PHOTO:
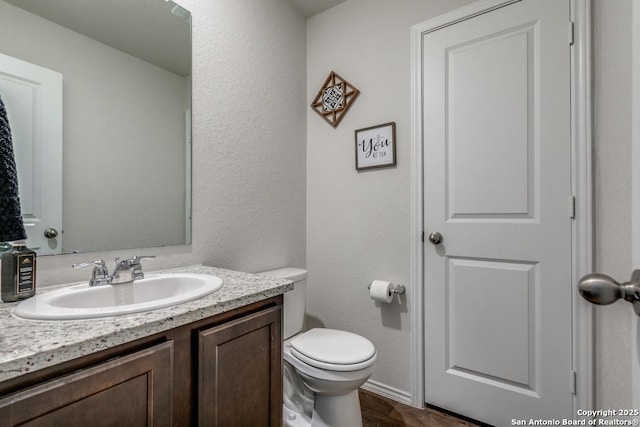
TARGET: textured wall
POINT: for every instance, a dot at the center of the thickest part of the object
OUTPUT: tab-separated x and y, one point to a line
358	224
249	147
249	128
612	159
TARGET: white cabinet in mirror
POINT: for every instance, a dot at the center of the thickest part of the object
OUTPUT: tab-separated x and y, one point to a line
123	117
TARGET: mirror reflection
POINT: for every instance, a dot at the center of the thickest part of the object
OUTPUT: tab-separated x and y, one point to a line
98	97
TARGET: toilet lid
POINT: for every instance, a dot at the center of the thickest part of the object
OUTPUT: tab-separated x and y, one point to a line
333	347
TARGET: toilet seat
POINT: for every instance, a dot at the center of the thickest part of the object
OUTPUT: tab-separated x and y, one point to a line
305	369
333	350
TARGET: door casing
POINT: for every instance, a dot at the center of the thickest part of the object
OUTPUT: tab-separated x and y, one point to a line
581	176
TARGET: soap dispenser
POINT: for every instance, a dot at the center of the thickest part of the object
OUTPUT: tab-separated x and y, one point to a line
18	272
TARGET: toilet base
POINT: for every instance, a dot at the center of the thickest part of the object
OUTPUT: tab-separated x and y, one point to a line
328	411
291	418
337	410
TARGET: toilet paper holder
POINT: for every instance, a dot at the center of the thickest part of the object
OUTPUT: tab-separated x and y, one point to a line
398	290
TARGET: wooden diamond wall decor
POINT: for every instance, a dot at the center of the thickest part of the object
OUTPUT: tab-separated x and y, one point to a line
334	99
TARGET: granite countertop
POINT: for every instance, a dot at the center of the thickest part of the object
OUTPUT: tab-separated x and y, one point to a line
29	345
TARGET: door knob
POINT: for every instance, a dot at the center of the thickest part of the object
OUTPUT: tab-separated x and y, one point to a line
50	233
603	290
435	238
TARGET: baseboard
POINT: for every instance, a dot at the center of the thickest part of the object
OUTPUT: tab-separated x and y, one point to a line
389	392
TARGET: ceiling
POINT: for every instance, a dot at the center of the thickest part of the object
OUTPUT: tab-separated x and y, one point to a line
146	29
313	7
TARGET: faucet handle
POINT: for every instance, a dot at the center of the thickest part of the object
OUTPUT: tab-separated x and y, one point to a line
137	267
139	257
128	270
97	263
100	275
133	261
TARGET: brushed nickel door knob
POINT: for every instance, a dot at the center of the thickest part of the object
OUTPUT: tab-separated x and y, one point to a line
50	233
603	290
435	238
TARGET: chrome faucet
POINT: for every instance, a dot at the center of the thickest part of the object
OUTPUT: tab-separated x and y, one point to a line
100	275
126	271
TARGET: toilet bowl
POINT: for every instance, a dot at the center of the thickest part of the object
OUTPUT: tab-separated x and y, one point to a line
323	368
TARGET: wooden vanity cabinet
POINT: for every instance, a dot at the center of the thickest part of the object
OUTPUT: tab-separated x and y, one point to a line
239	372
133	390
224	370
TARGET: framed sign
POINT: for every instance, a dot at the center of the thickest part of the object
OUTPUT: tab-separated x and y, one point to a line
376	146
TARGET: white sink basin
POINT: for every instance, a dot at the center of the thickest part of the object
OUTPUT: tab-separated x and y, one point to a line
86	302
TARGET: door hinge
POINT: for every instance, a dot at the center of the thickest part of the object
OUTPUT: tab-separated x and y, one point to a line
572	207
571	33
573	379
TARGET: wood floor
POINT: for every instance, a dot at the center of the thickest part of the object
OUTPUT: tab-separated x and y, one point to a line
378	411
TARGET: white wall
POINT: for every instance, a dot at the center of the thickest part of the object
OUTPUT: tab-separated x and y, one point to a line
358	224
249	147
104	146
249	133
612	158
635	198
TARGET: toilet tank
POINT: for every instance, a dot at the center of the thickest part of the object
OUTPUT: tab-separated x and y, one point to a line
295	301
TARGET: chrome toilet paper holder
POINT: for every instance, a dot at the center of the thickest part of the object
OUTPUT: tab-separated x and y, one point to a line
398	290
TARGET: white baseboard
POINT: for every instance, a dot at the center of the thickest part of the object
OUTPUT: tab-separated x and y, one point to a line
389	392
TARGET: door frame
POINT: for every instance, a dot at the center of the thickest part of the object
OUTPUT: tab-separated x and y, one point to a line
581	177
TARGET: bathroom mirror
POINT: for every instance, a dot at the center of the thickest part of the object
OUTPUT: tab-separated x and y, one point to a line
125	163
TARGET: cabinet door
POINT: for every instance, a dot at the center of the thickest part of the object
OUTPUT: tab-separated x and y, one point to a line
240	372
132	390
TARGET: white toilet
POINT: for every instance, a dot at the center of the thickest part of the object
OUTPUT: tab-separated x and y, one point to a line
323	368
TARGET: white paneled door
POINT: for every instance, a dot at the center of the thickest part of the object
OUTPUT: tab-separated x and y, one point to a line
33	98
497	188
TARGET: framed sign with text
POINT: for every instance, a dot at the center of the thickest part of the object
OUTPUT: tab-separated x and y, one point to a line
376	146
